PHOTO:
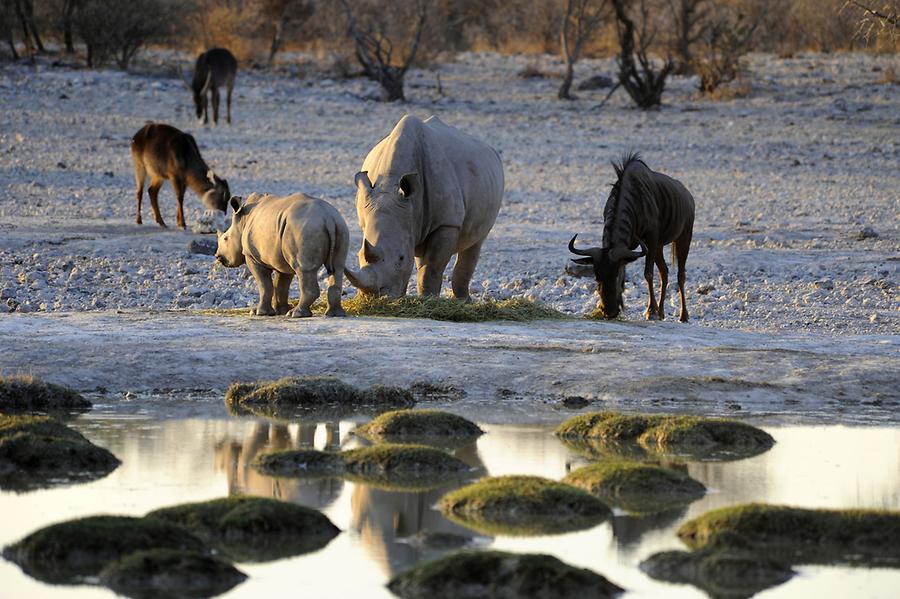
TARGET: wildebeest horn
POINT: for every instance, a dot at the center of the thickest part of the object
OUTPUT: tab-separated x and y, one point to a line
592	252
362	279
628	255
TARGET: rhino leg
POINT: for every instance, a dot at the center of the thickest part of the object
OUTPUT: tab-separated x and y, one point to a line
463	270
309	292
335	287
282	291
263	276
439	247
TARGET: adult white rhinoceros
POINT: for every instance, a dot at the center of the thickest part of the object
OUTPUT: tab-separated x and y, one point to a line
427	191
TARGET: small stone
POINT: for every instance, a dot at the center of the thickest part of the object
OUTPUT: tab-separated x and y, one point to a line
206	247
866	233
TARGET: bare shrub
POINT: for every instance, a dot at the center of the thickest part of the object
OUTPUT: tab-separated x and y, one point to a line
725	41
113	30
888	77
878	19
532	71
7	24
637	74
689	21
387	38
579	23
285	19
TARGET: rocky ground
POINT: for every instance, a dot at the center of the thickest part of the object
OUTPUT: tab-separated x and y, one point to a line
796	184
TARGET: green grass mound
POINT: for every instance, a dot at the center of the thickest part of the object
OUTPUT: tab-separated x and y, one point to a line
402	466
727	574
500	575
70	551
169	574
253	529
426	391
293	396
300	463
419	424
799	536
691	436
637	487
38	452
27	394
523	505
434	308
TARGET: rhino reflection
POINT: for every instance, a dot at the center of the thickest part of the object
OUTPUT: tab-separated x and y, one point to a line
234	457
381	518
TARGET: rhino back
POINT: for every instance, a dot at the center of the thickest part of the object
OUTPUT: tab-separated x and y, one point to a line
282	231
462	176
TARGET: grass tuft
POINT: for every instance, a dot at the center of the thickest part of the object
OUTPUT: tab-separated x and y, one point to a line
27	394
434	308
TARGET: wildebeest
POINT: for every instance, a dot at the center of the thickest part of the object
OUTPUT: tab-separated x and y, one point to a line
646	209
292	235
214	68
165	153
427	191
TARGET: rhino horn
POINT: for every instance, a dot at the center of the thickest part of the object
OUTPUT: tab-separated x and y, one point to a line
363	279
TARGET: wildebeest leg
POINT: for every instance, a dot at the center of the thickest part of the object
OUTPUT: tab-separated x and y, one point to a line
205	108
309	291
215	104
263	276
282	291
228	99
139	176
663	281
439	248
179	188
335	287
463	270
153	192
652	308
680	248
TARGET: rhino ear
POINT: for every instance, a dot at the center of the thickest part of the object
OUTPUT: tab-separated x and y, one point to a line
362	180
235	203
409	184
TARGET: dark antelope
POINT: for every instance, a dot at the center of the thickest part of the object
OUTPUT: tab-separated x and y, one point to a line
215	68
165	153
646	209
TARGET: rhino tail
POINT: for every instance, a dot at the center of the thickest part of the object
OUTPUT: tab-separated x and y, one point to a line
329	259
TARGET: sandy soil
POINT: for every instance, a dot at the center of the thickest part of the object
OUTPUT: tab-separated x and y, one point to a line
795	248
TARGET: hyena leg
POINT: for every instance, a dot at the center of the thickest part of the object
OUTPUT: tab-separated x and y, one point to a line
153	192
139	177
463	270
309	291
263	276
228	99
335	287
282	291
663	281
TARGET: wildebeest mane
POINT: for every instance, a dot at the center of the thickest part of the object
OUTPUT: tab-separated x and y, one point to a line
611	210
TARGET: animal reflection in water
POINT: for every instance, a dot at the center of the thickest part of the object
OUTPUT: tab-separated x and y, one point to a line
396	527
235	457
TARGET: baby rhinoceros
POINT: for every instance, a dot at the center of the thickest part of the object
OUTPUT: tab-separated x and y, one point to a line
296	234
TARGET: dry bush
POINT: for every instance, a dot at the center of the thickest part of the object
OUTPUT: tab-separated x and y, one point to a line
888	77
876	19
637	72
232	24
725	41
112	30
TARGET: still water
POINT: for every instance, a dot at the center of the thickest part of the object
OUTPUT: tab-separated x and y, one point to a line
204	454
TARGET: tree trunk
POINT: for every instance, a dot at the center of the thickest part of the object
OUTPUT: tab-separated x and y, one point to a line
391	80
29	14
68	14
566	85
26	36
278	27
12	44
